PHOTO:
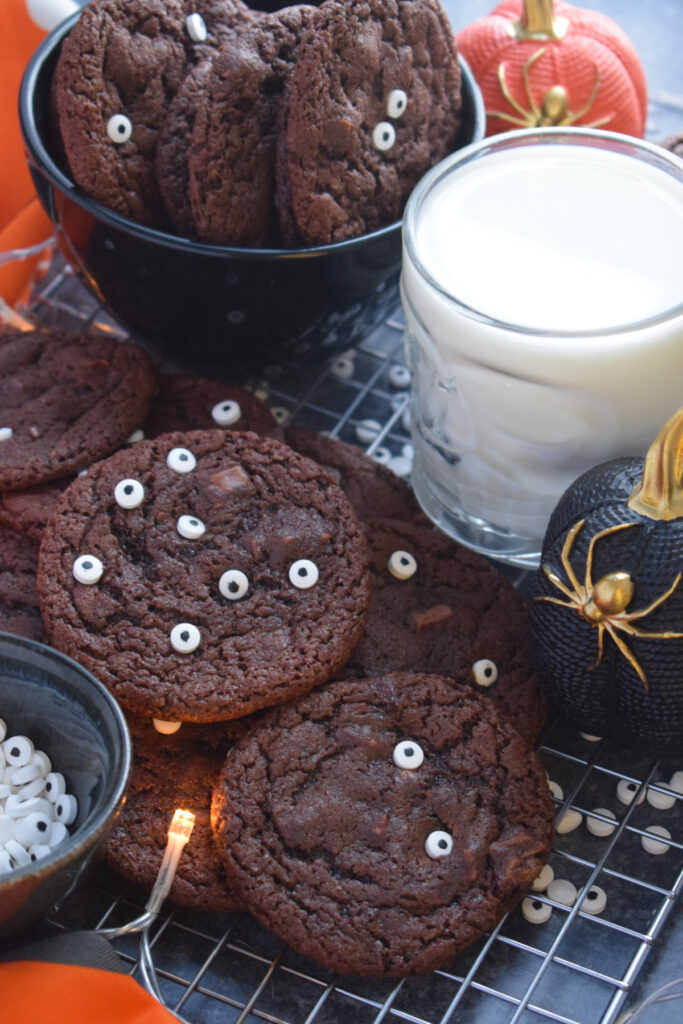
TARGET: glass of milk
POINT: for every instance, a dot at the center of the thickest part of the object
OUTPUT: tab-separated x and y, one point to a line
542	284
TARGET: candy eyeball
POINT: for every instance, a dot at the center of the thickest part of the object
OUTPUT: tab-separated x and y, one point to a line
181	460
185	638
190	527
196	28
402	565
119	128
129	493
438	844
303	574
226	413
233	584
383	136
485	672
397	102
87	569
408	754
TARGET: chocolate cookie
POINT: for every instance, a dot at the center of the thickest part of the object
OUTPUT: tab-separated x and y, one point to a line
66	400
373	490
19	611
204	575
198	403
28	511
170	772
379	826
438	607
372	103
232	156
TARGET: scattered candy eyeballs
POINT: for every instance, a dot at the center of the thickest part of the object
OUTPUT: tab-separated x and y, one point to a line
233	584
190	527
303	574
5	433
119	128
383	136
397	102
536	911
485	672
438	844
595	900
164	727
226	413
87	569
185	638
181	460
129	493
402	565
196	28
408	754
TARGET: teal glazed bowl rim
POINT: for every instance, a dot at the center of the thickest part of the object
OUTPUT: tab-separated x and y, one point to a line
93	712
208	307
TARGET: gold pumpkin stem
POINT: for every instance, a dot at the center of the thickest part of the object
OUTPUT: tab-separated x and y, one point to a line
659	495
538	21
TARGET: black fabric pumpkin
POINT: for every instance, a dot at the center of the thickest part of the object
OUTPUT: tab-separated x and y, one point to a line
618	531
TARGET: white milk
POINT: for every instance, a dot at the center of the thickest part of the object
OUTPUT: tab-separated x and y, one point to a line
538	240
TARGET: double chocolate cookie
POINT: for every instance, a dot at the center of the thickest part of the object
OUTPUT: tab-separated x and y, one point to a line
202	576
381	825
19	611
198	403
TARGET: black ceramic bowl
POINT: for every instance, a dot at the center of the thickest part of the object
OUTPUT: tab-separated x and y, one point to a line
213	307
67	713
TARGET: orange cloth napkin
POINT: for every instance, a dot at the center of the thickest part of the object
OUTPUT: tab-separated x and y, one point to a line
22	220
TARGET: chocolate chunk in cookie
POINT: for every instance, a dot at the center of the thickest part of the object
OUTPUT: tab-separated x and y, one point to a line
206	575
65	401
379	826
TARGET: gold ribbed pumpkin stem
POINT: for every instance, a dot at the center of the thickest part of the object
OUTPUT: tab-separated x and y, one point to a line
659	495
538	21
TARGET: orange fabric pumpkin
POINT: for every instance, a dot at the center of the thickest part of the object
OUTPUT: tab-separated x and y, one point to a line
540	64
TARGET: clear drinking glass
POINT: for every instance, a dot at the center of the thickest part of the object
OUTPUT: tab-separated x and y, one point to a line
542	284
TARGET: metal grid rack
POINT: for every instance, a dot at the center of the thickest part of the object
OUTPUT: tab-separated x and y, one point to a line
575	969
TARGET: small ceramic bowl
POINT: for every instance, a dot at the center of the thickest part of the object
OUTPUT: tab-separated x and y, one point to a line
211	307
68	714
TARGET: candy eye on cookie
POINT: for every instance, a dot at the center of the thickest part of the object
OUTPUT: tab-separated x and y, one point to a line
408	754
383	136
303	574
233	584
485	672
397	101
196	28
438	844
119	128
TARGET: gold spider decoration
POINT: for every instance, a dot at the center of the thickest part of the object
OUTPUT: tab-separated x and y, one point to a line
604	604
554	110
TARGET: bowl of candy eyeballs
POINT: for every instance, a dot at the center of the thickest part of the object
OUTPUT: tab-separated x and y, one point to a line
64	764
220	257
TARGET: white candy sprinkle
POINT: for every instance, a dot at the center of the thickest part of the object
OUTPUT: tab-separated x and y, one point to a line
399	376
18	751
556	790
656	846
343	368
408	451
27	773
3	729
233	584
676	782
367	431
401	466
66	809
5	433
185	638
408	754
568	821
39	851
181	460
40	758
485	672
17	852
58	834
383	136
303	574
196	28
397	102
402	565
660	801
626	791
381	455
600	828
87	569
55	786
279	413
137	435
7	826
406	421
165	728
535	911
561	890
438	844
589	738
595	900
543	879
34	828
129	493
190	527
29	789
119	128
226	413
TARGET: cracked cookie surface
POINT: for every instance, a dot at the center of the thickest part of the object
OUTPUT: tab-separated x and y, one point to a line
324	837
19	611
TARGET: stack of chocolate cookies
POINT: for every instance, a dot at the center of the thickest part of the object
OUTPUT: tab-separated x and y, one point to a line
346	702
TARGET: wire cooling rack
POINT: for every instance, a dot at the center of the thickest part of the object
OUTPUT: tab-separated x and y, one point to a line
576	968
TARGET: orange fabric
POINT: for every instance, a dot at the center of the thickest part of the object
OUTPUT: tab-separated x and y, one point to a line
19	228
48	993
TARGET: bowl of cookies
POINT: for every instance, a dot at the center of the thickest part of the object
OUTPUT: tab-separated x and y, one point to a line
65	755
230	182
